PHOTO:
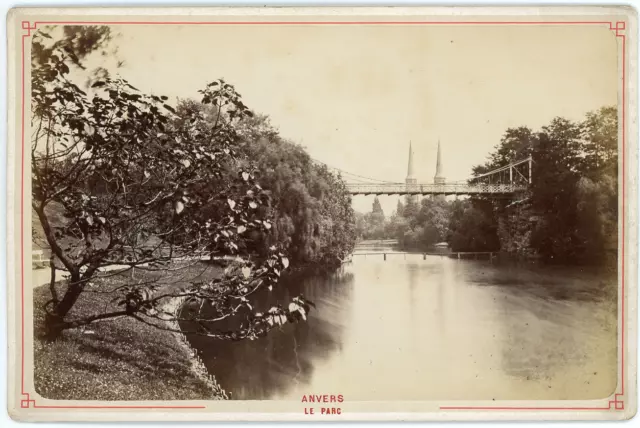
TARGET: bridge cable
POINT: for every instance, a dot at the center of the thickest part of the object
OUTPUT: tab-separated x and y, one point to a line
352	174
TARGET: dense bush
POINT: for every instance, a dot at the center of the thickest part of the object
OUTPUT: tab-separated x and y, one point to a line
311	206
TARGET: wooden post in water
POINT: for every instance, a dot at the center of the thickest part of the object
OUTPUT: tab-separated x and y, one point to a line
424	257
385	256
458	256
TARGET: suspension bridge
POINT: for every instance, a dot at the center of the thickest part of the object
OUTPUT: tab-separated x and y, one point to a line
504	181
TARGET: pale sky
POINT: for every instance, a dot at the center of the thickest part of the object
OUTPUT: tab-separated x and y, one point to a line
355	96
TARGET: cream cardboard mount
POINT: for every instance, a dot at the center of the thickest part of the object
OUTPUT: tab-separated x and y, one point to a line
140	287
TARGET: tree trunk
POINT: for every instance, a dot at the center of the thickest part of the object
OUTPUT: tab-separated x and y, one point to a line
54	321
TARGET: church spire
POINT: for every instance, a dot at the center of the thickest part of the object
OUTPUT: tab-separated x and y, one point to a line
439	177
410	166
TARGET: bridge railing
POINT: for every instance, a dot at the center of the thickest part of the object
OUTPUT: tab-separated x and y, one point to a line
434	189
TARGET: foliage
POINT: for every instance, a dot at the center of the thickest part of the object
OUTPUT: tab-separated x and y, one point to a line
311	207
414	225
472	227
570	213
141	187
372	225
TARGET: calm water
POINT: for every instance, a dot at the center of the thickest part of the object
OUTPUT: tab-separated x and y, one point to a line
414	329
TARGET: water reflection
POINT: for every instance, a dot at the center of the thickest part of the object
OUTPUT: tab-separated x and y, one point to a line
410	328
286	357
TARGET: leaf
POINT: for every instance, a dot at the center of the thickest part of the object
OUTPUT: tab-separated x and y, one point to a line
241	229
98	84
246	271
253	205
293	307
171	109
285	262
179	207
231	203
245	176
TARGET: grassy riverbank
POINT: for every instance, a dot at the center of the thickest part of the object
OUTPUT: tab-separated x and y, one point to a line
118	359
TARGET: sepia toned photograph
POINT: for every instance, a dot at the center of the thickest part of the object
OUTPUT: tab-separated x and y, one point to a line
271	215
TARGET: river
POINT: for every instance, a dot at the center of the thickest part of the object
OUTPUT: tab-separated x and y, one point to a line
410	328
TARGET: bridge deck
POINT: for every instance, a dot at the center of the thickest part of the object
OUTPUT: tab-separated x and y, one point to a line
434	189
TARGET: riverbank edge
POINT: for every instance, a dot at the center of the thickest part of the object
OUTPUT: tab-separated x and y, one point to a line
172	306
54	361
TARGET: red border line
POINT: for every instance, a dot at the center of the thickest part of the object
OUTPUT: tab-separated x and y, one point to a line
118	407
521	408
321	22
616	404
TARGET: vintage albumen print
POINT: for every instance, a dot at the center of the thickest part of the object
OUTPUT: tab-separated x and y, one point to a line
297	214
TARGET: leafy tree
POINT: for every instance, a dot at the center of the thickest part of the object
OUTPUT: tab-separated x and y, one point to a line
400	208
472	227
411	208
557	160
140	188
397	228
600	143
569	214
311	207
376	209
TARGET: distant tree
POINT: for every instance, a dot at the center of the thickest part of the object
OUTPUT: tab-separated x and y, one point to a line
411	208
456	212
397	227
433	219
600	143
360	226
400	209
377	214
473	227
